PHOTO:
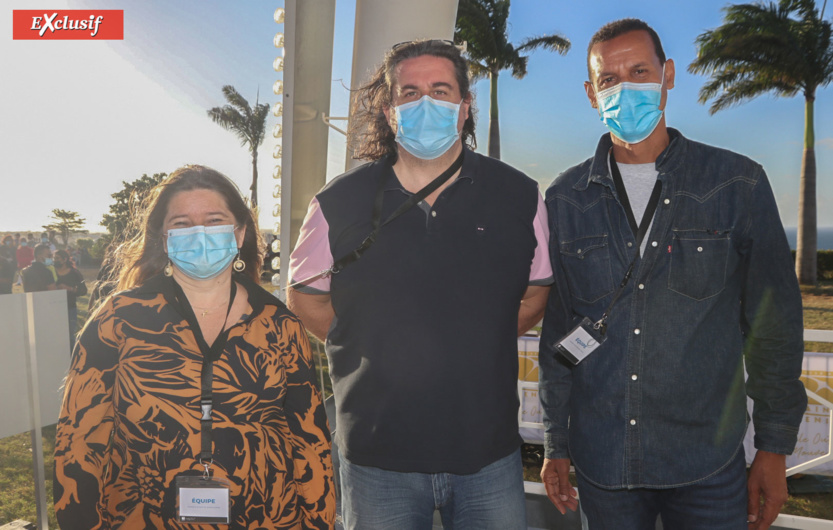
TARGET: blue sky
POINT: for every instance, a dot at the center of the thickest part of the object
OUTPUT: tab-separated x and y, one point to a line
83	116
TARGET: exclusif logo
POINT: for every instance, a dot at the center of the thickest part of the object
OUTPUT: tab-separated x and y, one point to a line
68	24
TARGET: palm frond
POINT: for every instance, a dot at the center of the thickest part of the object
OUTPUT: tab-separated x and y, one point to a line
477	71
236	100
781	48
553	43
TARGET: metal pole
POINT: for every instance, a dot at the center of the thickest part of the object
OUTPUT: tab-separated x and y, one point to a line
34	411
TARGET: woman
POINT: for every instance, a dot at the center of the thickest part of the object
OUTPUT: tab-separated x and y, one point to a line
192	386
72	281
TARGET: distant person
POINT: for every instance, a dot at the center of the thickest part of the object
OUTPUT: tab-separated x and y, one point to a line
75	256
8	265
105	282
44	239
84	258
72	281
39	276
672	275
193	369
25	253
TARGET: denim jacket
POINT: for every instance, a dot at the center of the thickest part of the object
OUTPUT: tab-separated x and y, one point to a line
661	403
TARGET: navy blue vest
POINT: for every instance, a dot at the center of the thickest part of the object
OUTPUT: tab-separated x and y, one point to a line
423	350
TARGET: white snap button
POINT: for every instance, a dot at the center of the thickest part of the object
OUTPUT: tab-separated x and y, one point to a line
433	213
634	377
654	243
633	422
641	286
637	331
667	201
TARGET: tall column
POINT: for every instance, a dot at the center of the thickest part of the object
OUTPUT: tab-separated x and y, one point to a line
308	67
382	23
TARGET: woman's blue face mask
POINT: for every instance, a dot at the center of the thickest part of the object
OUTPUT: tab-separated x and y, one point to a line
202	252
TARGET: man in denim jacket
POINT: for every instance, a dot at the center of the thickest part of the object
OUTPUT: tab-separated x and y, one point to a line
654	418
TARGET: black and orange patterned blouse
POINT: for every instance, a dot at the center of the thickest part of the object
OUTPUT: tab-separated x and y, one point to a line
130	420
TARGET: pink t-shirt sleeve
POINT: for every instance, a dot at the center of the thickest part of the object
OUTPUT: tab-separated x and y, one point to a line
312	254
541	270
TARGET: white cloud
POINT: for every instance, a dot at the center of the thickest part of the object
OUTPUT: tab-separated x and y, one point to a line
825	143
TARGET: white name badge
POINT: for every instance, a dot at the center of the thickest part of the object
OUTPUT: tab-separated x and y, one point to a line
580	342
202	500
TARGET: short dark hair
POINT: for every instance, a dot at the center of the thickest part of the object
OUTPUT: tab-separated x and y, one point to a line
41	249
144	255
370	134
611	30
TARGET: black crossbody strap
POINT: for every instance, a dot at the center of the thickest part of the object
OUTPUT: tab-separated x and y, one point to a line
640	232
414	199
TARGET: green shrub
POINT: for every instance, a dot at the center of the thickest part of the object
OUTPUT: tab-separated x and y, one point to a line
824	264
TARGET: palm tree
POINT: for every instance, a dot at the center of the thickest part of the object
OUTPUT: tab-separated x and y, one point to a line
482	25
782	48
249	124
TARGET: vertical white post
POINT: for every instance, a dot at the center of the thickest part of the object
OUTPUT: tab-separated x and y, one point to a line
308	65
289	46
34	411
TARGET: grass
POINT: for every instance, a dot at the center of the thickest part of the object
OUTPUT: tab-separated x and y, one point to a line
17	489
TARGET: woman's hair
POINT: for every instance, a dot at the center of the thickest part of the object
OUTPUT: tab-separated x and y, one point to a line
144	256
63	254
370	134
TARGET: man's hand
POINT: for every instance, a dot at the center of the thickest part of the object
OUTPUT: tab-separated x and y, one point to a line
767	479
555	475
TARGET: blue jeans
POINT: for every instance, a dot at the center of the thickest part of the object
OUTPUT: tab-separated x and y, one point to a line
716	503
492	498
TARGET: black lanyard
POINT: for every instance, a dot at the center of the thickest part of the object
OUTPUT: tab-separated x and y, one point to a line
209	355
639	231
432	186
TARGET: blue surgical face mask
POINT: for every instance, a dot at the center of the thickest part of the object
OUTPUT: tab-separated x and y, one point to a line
202	252
631	110
427	128
48	262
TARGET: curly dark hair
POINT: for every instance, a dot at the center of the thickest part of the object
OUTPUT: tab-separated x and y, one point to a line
144	255
611	30
370	135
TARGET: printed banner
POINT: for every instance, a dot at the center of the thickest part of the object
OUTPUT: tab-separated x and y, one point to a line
813	435
814	432
529	415
68	24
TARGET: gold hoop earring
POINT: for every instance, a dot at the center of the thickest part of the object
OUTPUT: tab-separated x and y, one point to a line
239	265
169	270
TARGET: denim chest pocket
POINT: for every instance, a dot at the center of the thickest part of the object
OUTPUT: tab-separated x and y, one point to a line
586	262
697	268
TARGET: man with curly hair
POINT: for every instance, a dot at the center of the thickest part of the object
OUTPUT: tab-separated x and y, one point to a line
435	259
